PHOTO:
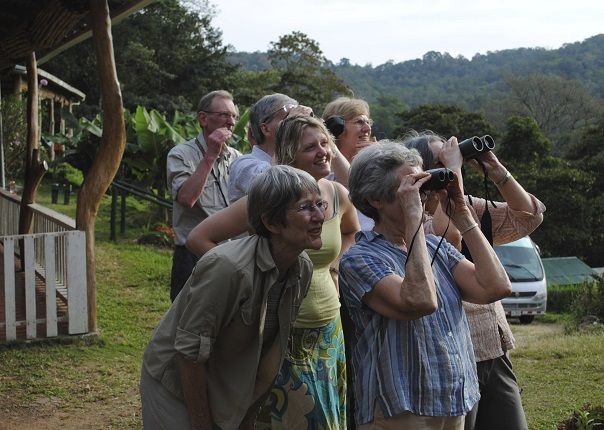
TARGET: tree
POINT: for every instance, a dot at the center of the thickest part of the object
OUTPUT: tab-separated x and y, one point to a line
252	85
113	141
561	107
303	70
445	120
524	143
384	112
166	57
14	121
587	155
569	223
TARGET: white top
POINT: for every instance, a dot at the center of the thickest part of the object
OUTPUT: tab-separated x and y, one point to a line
243	171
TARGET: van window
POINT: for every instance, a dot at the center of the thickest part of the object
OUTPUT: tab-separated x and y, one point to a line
521	263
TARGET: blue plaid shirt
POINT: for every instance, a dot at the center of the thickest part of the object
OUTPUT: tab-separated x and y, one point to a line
424	366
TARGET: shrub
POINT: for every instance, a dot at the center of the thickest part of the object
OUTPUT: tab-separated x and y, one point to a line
587	418
65	173
160	235
588	306
561	297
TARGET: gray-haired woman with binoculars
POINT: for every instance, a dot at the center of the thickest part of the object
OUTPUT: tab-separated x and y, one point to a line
521	213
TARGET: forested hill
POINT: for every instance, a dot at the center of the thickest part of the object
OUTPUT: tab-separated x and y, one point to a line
473	83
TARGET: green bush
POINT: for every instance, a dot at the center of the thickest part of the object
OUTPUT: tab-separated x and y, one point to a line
160	235
65	173
588	418
561	297
589	304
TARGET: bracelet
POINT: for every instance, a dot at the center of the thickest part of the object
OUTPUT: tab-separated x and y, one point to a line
473	226
505	178
334	270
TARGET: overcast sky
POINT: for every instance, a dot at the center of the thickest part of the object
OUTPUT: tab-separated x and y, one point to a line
375	31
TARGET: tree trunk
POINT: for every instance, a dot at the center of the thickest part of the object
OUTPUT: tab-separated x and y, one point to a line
34	168
113	142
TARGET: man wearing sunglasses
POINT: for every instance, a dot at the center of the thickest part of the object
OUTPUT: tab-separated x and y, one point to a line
197	173
265	116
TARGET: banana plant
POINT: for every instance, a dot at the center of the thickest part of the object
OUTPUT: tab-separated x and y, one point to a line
154	136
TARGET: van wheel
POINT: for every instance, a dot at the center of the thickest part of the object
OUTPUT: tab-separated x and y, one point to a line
527	319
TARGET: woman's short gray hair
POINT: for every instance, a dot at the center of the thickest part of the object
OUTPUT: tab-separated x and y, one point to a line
374	176
273	192
289	137
263	109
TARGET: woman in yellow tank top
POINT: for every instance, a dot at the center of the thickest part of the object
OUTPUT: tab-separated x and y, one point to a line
310	390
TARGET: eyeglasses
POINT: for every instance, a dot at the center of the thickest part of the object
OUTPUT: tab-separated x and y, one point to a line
224	115
285	108
360	122
309	208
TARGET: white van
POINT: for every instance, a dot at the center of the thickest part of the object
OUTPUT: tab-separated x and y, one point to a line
523	265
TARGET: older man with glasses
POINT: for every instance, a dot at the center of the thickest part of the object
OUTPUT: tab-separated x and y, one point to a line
197	173
265	116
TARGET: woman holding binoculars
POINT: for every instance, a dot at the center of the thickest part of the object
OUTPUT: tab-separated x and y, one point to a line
520	213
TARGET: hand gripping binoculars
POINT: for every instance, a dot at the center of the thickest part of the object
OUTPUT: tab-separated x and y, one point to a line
439	179
474	146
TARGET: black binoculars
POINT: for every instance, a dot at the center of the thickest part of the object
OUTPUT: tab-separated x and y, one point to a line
474	146
439	178
335	125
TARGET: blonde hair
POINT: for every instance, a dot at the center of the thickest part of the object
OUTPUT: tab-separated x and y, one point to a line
346	107
289	137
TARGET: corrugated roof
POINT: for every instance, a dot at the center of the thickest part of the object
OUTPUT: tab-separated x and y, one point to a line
567	271
49	26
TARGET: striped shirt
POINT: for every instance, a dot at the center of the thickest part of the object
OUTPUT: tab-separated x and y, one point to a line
424	366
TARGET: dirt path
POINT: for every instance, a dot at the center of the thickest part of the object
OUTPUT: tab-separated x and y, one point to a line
50	414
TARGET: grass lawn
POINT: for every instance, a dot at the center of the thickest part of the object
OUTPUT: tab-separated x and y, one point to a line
558	372
93	383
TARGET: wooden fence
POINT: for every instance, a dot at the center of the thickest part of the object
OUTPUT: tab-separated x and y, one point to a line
44	289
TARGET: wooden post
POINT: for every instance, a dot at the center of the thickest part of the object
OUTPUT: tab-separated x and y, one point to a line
123	212
51	116
51	126
62	121
34	168
112	146
112	218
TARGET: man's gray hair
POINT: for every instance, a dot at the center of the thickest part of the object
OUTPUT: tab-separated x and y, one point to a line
205	102
263	110
272	194
374	176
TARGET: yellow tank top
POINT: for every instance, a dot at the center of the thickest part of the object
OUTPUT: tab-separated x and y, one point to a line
321	304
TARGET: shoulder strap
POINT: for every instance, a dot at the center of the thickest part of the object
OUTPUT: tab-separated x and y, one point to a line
336	199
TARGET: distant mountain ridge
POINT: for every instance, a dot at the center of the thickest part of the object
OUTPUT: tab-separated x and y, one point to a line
473	83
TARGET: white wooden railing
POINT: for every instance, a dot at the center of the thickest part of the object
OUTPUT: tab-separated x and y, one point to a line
55	254
9	213
73	284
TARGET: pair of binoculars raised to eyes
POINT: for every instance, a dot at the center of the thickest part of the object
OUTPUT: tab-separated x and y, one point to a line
439	178
474	146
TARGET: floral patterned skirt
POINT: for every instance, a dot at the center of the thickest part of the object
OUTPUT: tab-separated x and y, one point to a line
310	390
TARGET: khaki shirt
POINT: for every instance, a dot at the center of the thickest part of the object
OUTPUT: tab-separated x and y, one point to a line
218	320
181	163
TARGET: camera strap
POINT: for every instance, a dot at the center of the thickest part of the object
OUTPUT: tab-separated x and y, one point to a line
486	223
